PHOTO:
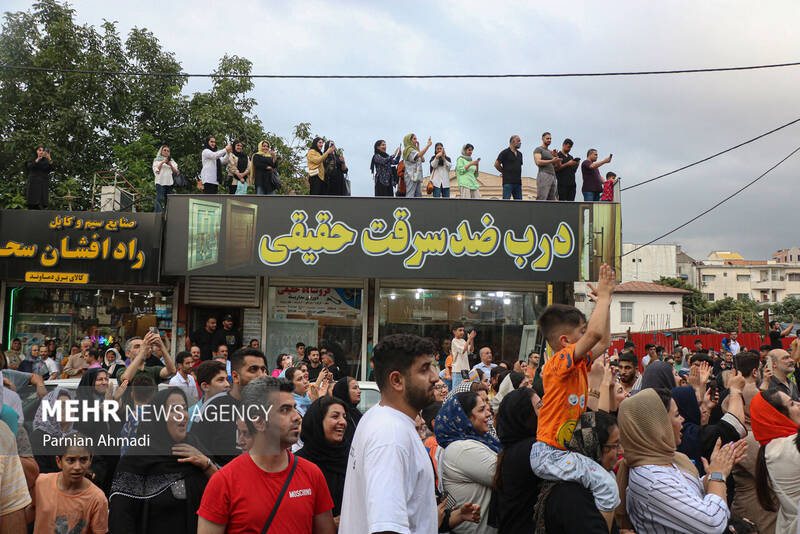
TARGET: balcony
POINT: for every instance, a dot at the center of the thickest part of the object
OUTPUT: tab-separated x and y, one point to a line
769	284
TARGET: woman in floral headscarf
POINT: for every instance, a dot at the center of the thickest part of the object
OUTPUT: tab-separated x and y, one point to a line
470	453
46	429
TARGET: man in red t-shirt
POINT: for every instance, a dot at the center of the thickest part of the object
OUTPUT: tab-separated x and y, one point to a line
240	497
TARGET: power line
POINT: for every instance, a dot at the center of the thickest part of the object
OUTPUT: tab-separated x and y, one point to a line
713	155
397	76
718	204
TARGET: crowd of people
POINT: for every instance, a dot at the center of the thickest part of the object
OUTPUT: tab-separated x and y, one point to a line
580	441
233	170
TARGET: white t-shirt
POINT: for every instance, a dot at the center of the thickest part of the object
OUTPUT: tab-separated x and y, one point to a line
389	482
460	355
52	365
188	385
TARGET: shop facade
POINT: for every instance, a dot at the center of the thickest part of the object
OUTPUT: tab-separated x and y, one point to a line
66	276
345	272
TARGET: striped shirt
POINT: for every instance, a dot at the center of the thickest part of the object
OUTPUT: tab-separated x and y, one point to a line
665	500
14	494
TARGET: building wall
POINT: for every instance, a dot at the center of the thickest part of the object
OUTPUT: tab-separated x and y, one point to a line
651	311
649	263
791	255
768	282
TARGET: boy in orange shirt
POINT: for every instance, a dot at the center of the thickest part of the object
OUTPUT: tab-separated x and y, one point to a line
566	387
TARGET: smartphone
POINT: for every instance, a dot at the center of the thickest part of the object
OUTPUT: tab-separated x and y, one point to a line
154	330
610	156
478	159
465	374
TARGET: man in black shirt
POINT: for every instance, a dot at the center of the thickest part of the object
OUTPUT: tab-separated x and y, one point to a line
204	338
565	173
509	164
228	335
314	364
775	334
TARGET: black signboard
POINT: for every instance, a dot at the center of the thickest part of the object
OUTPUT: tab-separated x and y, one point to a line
236	235
74	247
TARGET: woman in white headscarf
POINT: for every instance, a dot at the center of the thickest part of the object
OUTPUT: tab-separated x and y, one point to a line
163	169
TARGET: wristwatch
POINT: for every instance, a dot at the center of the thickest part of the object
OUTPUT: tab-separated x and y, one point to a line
716	476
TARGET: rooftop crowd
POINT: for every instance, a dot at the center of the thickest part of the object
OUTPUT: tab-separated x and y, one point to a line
233	170
581	441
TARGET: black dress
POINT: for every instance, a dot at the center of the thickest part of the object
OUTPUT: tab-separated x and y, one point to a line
335	176
38	182
262	178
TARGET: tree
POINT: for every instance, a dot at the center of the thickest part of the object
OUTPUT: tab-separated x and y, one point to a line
101	122
723	315
786	311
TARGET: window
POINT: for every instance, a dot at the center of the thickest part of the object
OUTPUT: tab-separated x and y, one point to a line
709	296
742	296
725	275
502	318
626	312
794	277
764	275
709	277
742	277
724	295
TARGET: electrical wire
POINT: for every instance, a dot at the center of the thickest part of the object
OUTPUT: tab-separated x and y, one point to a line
718	204
398	76
743	143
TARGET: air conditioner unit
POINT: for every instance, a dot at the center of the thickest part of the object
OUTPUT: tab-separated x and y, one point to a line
115	199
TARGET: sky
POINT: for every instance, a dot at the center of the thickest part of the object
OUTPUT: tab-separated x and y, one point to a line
651	124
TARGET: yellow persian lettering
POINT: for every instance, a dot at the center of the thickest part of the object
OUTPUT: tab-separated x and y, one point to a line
396	241
427	244
521	249
465	241
325	238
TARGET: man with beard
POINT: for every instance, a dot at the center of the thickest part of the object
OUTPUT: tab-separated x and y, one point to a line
386	446
629	375
227	335
215	428
247	494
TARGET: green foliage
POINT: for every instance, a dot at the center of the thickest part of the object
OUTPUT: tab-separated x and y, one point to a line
722	315
96	123
785	311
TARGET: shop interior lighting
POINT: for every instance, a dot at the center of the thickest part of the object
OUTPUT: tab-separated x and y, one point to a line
493	294
506	301
500	294
392	296
459	298
478	302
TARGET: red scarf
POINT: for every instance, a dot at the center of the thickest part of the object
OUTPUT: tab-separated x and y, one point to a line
767	422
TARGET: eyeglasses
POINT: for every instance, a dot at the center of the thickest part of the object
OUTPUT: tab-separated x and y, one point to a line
439	386
617	446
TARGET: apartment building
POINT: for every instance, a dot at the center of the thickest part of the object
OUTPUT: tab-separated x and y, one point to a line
726	274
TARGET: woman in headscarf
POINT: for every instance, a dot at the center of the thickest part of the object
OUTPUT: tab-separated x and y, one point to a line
326	444
567	507
517	486
92	389
335	171
467	174
112	362
212	162
301	386
381	167
697	436
158	488
659	487
347	390
39	167
440	172
316	168
163	169
44	451
238	169
283	362
469	461
413	158
264	164
660	375
775	419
